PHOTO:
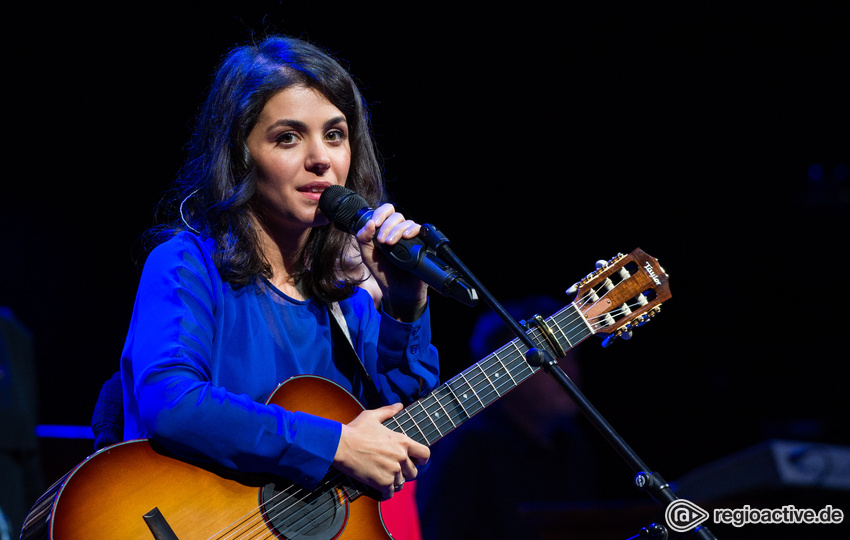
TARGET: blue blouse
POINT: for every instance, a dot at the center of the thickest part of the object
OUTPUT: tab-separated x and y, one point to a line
201	359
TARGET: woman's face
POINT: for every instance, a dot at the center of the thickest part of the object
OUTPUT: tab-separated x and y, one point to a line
301	146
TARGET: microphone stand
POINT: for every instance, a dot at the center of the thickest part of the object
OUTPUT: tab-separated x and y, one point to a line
645	480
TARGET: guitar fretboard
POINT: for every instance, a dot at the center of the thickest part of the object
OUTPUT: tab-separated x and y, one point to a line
469	392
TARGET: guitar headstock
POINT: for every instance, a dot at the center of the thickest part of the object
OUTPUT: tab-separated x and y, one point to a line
621	294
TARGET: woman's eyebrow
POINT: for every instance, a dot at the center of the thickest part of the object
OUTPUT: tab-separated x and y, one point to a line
301	126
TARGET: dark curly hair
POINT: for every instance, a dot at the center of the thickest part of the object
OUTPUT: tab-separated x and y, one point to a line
213	192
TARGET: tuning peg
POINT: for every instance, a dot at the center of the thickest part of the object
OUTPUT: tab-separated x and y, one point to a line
601	264
626	334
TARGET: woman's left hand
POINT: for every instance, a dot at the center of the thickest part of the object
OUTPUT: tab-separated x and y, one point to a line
404	295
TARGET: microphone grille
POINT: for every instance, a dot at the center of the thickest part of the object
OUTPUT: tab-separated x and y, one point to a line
341	205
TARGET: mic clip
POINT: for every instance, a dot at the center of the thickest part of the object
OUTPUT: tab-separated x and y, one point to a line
430	268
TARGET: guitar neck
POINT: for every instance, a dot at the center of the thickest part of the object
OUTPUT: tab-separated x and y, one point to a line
471	391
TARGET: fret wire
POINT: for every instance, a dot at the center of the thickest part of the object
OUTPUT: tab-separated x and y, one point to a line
455	385
456	409
434	433
503	385
521	353
572	334
395	419
423	423
561	330
475	401
409	425
504	381
582	323
399	423
442	427
489	382
508	367
577	327
539	339
525	369
429	436
568	313
509	362
461	395
514	363
463	376
507	370
416	424
492	381
458	401
424	408
445	413
477	378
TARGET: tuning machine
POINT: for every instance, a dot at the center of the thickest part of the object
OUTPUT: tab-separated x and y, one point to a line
601	265
625	331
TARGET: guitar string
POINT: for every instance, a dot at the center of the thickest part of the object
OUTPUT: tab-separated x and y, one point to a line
253	520
310	515
511	363
259	522
473	379
510	359
567	314
432	405
333	481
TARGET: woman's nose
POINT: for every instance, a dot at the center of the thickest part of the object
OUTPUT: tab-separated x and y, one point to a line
318	161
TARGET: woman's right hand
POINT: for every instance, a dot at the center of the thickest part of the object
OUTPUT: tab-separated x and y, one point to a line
376	455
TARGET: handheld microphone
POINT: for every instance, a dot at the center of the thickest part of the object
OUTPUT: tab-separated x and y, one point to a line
349	212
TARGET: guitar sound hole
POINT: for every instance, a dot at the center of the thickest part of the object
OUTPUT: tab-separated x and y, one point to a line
295	514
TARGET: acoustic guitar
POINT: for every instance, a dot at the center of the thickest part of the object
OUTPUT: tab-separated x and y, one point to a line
138	490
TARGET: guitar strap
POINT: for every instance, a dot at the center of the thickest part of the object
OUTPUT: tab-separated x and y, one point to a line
343	346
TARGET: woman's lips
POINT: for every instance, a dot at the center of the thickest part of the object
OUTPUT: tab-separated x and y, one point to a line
314	190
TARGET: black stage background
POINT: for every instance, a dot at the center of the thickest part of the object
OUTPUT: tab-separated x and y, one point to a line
538	140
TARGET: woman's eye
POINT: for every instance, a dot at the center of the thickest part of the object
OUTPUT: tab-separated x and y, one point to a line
286	138
335	136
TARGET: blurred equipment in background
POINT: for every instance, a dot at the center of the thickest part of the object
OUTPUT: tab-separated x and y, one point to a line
20	468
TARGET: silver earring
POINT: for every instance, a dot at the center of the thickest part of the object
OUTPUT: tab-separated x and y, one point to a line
183	218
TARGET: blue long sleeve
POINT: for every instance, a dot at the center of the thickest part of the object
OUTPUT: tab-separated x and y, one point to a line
201	358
